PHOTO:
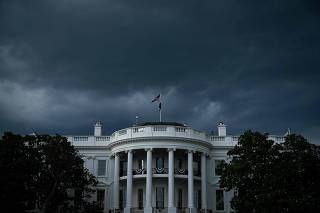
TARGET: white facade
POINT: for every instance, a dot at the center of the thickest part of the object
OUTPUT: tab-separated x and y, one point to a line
158	167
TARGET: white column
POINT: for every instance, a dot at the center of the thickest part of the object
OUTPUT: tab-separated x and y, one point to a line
148	205
116	181
203	182
190	182
129	183
171	207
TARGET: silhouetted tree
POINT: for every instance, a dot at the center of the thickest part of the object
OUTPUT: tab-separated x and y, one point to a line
43	169
273	177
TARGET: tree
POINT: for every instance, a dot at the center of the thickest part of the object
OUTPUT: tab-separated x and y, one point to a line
273	177
42	168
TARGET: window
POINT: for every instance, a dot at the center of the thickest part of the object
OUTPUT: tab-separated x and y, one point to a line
199	199
100	198
196	168
180	199
123	168
159	197
160	163
121	203
219	200
101	167
180	163
140	164
217	169
140	198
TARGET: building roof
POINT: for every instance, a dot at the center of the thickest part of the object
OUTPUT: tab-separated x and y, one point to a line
161	123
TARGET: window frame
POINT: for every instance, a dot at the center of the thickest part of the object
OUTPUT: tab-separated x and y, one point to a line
104	168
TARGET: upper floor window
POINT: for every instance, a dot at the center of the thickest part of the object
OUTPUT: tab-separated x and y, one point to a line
180	163
140	164
217	167
196	168
101	167
160	163
123	168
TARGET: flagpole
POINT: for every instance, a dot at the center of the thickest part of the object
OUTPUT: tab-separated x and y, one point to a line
160	108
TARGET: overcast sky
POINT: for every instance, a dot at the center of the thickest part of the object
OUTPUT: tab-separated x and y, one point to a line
65	64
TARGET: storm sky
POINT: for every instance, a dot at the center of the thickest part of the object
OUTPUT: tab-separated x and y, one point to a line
65	64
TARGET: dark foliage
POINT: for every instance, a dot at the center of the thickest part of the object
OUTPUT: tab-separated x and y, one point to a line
42	171
273	177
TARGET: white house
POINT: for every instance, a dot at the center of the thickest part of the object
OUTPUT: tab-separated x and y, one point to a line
158	167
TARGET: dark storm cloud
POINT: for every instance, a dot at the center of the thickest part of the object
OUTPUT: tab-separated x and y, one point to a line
66	63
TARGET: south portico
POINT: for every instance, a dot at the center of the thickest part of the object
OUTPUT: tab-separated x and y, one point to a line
162	170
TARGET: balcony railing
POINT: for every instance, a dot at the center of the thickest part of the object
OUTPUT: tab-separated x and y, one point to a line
160	170
177	171
181	171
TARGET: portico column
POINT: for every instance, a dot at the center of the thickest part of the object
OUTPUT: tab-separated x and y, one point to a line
171	207
190	182
129	183
148	205
203	182
116	181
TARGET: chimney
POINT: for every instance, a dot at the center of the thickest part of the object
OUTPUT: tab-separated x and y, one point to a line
98	129
222	129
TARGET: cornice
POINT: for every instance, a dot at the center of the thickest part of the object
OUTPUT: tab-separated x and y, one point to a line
159	138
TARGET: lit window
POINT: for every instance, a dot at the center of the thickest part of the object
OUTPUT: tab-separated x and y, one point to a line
219	200
101	167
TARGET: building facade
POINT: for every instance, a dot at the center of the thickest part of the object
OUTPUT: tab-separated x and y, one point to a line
158	167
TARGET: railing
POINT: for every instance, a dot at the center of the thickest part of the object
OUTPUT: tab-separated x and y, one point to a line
160	210
181	209
160	170
80	138
160	128
181	171
177	171
102	138
137	210
139	171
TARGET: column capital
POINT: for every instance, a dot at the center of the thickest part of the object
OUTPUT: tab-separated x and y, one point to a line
148	149
114	154
128	151
205	154
171	149
191	151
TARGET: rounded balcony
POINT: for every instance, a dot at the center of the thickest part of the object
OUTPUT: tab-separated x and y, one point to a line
159	135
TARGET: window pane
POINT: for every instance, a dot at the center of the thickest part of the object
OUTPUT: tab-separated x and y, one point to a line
180	163
101	167
219	200
100	198
140	198
180	199
218	169
159	163
159	197
123	168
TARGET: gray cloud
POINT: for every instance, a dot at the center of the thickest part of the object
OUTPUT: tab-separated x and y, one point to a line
65	64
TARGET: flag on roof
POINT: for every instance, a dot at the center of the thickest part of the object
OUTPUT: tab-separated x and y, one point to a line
157	98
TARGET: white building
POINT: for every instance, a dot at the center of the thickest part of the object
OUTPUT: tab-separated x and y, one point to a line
158	167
